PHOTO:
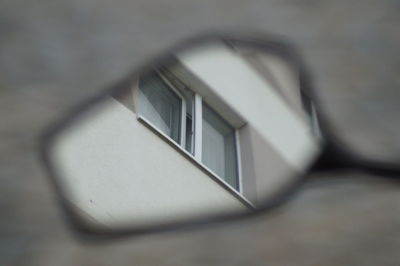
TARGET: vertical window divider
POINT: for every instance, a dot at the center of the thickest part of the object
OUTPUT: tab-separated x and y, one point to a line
198	120
192	129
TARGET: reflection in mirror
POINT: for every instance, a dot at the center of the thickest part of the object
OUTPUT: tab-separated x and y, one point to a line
218	129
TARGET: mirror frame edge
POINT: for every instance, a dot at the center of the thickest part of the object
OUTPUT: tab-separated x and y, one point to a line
261	41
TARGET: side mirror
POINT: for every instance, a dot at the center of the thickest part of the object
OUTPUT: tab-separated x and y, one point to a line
217	128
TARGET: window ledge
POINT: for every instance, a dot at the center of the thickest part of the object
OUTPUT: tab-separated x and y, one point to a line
193	160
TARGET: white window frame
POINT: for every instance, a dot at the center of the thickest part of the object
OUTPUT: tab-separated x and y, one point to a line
198	126
197	120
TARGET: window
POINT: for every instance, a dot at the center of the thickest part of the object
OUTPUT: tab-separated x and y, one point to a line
161	105
219	146
182	115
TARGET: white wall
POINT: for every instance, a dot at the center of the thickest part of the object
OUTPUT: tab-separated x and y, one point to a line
118	173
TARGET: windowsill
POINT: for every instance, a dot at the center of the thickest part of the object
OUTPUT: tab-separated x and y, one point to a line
193	160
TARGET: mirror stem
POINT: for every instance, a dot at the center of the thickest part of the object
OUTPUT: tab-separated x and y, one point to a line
335	158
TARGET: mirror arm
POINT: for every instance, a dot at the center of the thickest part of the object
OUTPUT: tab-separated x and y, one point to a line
379	168
334	158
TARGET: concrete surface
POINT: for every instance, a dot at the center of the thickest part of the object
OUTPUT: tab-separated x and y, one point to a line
55	53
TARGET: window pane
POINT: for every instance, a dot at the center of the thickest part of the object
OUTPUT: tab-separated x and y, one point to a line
189	134
218	147
160	105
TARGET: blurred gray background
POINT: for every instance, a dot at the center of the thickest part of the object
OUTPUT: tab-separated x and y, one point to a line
54	53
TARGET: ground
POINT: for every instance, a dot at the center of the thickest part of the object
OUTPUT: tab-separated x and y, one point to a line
55	53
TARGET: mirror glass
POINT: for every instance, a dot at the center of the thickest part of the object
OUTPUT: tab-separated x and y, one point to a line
217	128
